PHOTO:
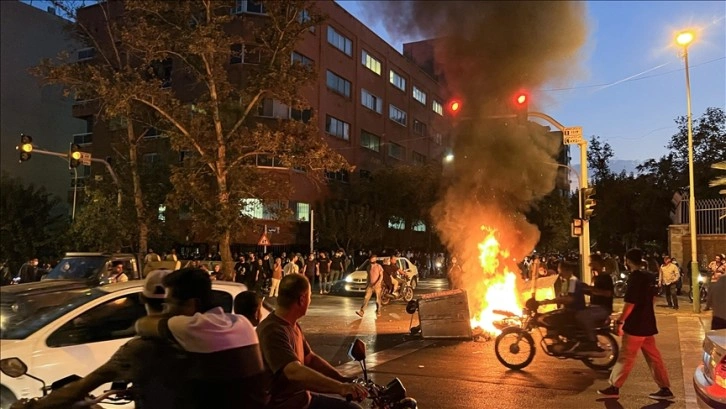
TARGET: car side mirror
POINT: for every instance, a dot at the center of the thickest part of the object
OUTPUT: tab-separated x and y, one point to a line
13	367
357	350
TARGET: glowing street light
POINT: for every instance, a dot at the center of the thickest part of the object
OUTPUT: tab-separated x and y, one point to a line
683	39
449	157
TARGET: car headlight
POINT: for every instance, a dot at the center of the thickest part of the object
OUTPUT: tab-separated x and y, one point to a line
348	279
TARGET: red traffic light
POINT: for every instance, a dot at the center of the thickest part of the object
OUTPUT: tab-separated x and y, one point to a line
454	107
521	99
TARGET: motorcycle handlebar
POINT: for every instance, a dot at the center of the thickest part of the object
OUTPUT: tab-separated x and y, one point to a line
96	400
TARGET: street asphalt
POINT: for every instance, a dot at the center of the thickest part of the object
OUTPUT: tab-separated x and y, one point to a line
443	373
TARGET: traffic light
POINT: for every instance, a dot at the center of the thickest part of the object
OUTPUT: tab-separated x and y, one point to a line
520	102
74	156
588	203
25	147
576	228
454	107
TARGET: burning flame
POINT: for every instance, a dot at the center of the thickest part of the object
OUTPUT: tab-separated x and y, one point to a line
498	290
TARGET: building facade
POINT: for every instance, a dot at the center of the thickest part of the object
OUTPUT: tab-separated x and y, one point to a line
27	35
373	105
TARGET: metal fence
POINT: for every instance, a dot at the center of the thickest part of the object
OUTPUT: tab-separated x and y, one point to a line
709	215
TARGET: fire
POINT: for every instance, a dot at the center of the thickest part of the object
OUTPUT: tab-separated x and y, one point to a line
498	290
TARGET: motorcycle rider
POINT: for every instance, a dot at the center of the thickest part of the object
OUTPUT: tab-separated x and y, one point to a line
225	363
390	270
572	298
601	301
154	366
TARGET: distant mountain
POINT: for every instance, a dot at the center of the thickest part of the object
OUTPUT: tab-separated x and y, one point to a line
616	165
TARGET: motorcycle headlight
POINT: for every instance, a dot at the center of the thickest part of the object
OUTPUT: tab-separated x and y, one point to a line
622	275
701	279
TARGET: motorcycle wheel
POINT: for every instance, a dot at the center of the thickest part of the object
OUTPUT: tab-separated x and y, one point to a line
704	294
385	297
607	342
407	294
619	290
514	343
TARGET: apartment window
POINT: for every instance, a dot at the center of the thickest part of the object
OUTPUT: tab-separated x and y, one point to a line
339	41
302	115
251	54
438	138
86	53
371	101
397	115
437	107
370	141
338	84
301	59
236	54
303	16
418	159
418	225
248	6
396	223
339	176
396	151
161	213
336	127
370	62
302	212
397	80
83	138
419	95
271	108
419	127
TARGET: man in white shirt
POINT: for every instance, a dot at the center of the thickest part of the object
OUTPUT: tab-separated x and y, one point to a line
668	277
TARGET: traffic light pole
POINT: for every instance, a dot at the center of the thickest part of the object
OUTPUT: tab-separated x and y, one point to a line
108	167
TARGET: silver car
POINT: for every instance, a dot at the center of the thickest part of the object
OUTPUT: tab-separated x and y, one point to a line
709	380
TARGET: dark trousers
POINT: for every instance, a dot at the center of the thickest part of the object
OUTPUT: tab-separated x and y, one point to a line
670	294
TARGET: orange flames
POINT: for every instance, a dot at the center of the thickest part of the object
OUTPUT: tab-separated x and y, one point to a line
498	290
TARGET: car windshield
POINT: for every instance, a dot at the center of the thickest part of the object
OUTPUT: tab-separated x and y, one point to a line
21	316
78	268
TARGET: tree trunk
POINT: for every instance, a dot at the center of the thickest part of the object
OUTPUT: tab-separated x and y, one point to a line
138	194
225	241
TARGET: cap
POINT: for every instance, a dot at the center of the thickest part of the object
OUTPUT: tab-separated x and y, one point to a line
153	287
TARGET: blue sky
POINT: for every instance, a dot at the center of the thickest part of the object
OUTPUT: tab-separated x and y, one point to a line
632	40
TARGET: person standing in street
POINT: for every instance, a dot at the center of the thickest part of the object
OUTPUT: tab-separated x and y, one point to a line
310	270
375	285
716	269
276	277
637	326
336	266
668	277
454	273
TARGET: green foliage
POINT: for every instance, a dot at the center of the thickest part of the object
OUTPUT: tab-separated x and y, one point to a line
348	225
100	225
552	214
31	224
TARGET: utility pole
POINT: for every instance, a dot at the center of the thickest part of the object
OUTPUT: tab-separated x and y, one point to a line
312	229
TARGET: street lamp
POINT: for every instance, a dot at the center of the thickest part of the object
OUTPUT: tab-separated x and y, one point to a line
684	39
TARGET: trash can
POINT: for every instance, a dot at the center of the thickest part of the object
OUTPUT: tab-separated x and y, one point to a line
445	314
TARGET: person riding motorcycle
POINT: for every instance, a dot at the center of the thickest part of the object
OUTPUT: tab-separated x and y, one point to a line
153	366
390	270
572	298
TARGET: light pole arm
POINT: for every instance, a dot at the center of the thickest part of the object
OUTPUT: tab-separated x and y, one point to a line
108	167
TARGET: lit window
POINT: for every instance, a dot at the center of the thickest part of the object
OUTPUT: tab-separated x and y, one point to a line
397	115
397	80
339	41
370	141
338	84
438	108
371	101
302	212
418	225
419	95
336	127
272	108
248	6
370	62
251	208
161	214
396	223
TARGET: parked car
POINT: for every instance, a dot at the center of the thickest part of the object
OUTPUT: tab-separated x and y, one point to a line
709	380
93	268
59	329
357	281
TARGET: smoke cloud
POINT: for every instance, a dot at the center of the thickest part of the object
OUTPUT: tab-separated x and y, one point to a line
486	52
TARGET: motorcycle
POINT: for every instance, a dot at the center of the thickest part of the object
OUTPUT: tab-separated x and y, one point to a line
405	290
391	396
620	285
117	395
515	346
702	289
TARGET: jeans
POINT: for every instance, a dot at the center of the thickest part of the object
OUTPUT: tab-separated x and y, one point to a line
671	298
369	292
631	344
589	317
319	401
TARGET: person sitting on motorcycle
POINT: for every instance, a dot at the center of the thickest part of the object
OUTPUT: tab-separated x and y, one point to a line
390	272
153	366
572	298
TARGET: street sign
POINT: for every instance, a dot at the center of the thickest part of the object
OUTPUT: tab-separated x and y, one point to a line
572	135
264	241
86	158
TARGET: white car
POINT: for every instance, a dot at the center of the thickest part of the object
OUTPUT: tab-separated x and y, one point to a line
357	281
709	380
59	329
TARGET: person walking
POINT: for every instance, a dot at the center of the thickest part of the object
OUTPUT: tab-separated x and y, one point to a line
668	277
375	285
637	326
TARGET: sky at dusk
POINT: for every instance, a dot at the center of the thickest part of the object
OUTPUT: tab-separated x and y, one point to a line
634	85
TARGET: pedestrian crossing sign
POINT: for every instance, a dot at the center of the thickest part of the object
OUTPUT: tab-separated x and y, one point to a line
264	241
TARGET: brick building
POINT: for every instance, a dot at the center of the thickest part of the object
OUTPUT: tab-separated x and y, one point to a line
374	105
